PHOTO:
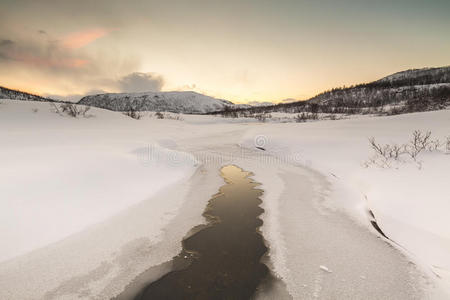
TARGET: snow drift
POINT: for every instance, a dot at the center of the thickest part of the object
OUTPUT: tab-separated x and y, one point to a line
60	175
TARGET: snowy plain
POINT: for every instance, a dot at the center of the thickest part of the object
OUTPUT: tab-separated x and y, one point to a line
410	202
94	185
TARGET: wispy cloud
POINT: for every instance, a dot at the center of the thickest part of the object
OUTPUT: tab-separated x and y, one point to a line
46	54
83	38
131	83
43	59
140	82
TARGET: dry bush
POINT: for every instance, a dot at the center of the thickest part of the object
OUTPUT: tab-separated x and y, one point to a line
385	155
304	116
71	110
175	117
419	142
447	145
132	113
262	117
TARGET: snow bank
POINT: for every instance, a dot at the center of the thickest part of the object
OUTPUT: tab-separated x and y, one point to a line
410	204
60	175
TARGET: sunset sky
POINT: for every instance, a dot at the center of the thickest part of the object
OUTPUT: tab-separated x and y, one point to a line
240	50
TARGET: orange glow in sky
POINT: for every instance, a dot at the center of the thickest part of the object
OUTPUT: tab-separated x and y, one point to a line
242	51
80	39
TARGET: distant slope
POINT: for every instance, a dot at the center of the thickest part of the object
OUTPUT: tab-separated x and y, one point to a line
402	92
181	102
6	93
418	77
429	84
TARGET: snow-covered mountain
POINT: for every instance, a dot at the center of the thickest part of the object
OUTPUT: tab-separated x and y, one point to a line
180	102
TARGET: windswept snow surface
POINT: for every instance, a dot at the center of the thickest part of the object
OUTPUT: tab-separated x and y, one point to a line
410	203
59	175
88	204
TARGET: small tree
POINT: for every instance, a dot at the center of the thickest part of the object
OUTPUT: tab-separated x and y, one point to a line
418	143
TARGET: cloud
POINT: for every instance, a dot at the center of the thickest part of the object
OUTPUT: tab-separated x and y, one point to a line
258	103
140	82
69	74
6	43
73	97
50	53
289	100
131	83
47	54
80	39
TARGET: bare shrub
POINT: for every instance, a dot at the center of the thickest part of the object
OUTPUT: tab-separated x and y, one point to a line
434	145
420	141
378	148
384	155
301	117
447	145
228	112
132	113
263	117
71	110
175	117
304	116
159	115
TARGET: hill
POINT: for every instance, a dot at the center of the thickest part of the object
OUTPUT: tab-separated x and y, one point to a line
179	102
6	93
408	91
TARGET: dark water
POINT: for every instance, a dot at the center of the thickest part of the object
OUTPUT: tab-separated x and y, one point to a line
222	259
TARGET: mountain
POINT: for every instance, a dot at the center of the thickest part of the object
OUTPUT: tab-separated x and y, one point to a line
418	77
181	102
6	93
426	85
402	92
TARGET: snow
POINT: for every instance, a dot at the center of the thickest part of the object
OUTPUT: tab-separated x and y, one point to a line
324	268
56	181
410	203
88	204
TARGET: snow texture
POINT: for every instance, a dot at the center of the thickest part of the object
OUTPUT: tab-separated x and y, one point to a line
88	204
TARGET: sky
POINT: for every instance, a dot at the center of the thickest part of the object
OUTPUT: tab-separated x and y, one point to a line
239	50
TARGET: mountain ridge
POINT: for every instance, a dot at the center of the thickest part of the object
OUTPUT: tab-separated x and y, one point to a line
175	101
411	90
6	93
419	89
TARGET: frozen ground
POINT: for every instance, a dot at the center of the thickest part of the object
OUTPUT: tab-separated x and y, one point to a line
88	204
410	203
